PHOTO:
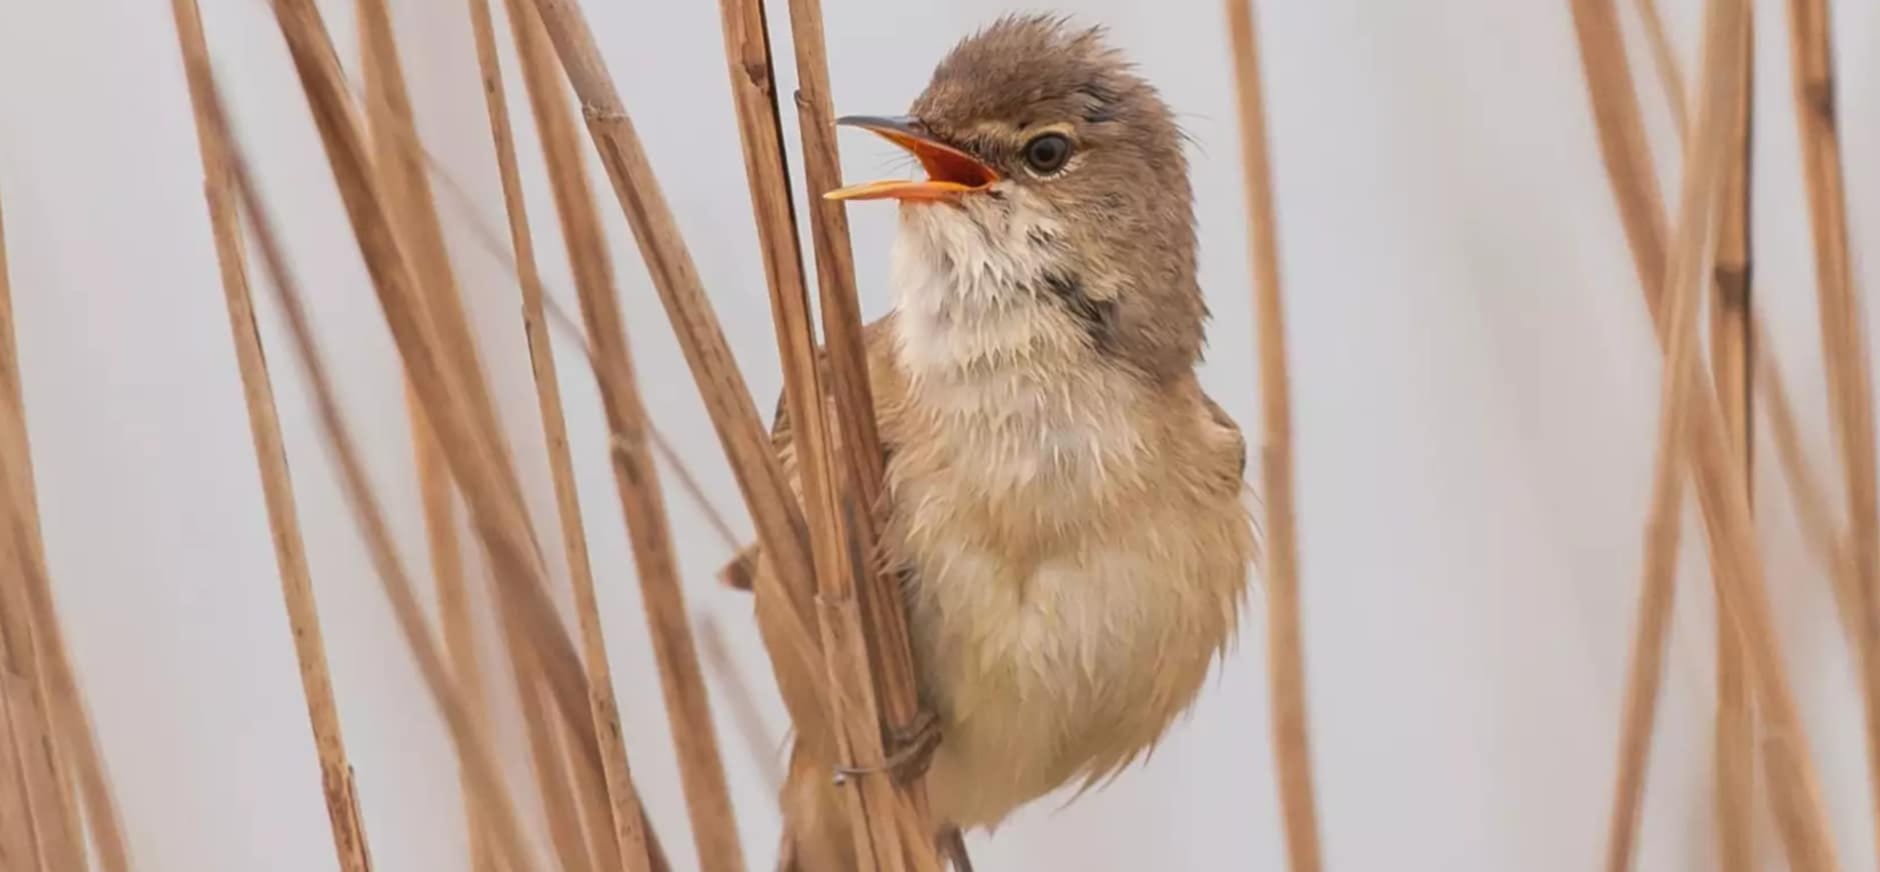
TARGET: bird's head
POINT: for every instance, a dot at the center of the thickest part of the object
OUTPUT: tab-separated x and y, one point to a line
1053	170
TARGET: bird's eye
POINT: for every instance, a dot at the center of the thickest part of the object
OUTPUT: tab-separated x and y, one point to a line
1047	153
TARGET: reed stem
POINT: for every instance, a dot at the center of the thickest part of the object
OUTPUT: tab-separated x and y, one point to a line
484	784
859	481
1722	491
290	552
701	765
408	199
453	598
767	495
1843	341
1731	351
1708	155
55	814
465	427
1292	752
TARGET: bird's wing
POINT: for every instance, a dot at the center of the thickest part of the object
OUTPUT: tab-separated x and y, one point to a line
747	568
886	380
887	383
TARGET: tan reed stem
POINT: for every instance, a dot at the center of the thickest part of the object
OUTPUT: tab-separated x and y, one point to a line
475	454
485	784
767	495
616	786
1722	491
1731	350
739	699
701	766
290	553
18	543
407	192
55	813
1708	156
489	241
1806	493
1622	143
55	685
560	801
453	599
1843	342
859	481
408	198
688	482
1665	64
620	820
1292	750
838	500
19	842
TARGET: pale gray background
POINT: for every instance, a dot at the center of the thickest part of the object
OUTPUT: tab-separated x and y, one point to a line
1475	390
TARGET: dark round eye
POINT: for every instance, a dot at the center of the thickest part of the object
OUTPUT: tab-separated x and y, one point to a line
1047	153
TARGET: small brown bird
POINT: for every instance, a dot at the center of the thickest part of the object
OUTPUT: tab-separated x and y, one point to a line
1065	502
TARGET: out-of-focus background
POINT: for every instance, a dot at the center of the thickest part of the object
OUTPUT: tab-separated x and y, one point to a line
1475	389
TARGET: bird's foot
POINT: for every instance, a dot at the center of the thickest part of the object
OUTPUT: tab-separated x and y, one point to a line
913	747
910	751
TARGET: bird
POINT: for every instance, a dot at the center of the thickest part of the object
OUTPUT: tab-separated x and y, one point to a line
1064	504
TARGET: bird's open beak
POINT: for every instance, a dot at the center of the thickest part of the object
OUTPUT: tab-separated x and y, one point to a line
950	172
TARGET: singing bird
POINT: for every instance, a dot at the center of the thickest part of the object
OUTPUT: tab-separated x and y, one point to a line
1065	504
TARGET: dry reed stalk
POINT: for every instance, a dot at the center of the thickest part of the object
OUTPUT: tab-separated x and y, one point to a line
859	495
485	784
1843	342
840	308
409	199
1731	350
56	817
1292	751
493	245
1665	64
767	495
1806	493
1622	143
18	513
688	482
560	802
701	766
34	751
19	844
621	797
407	192
475	453
1722	492
79	776
839	500
736	692
453	597
1708	156
271	455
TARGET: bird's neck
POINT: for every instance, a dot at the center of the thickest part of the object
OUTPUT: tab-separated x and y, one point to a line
1001	377
974	297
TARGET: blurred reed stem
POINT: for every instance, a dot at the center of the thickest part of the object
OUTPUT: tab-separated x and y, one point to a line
1707	159
767	496
342	801
1731	351
1722	490
701	765
1843	341
1292	753
31	678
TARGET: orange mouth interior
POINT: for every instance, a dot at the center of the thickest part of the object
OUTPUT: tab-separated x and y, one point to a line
950	171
